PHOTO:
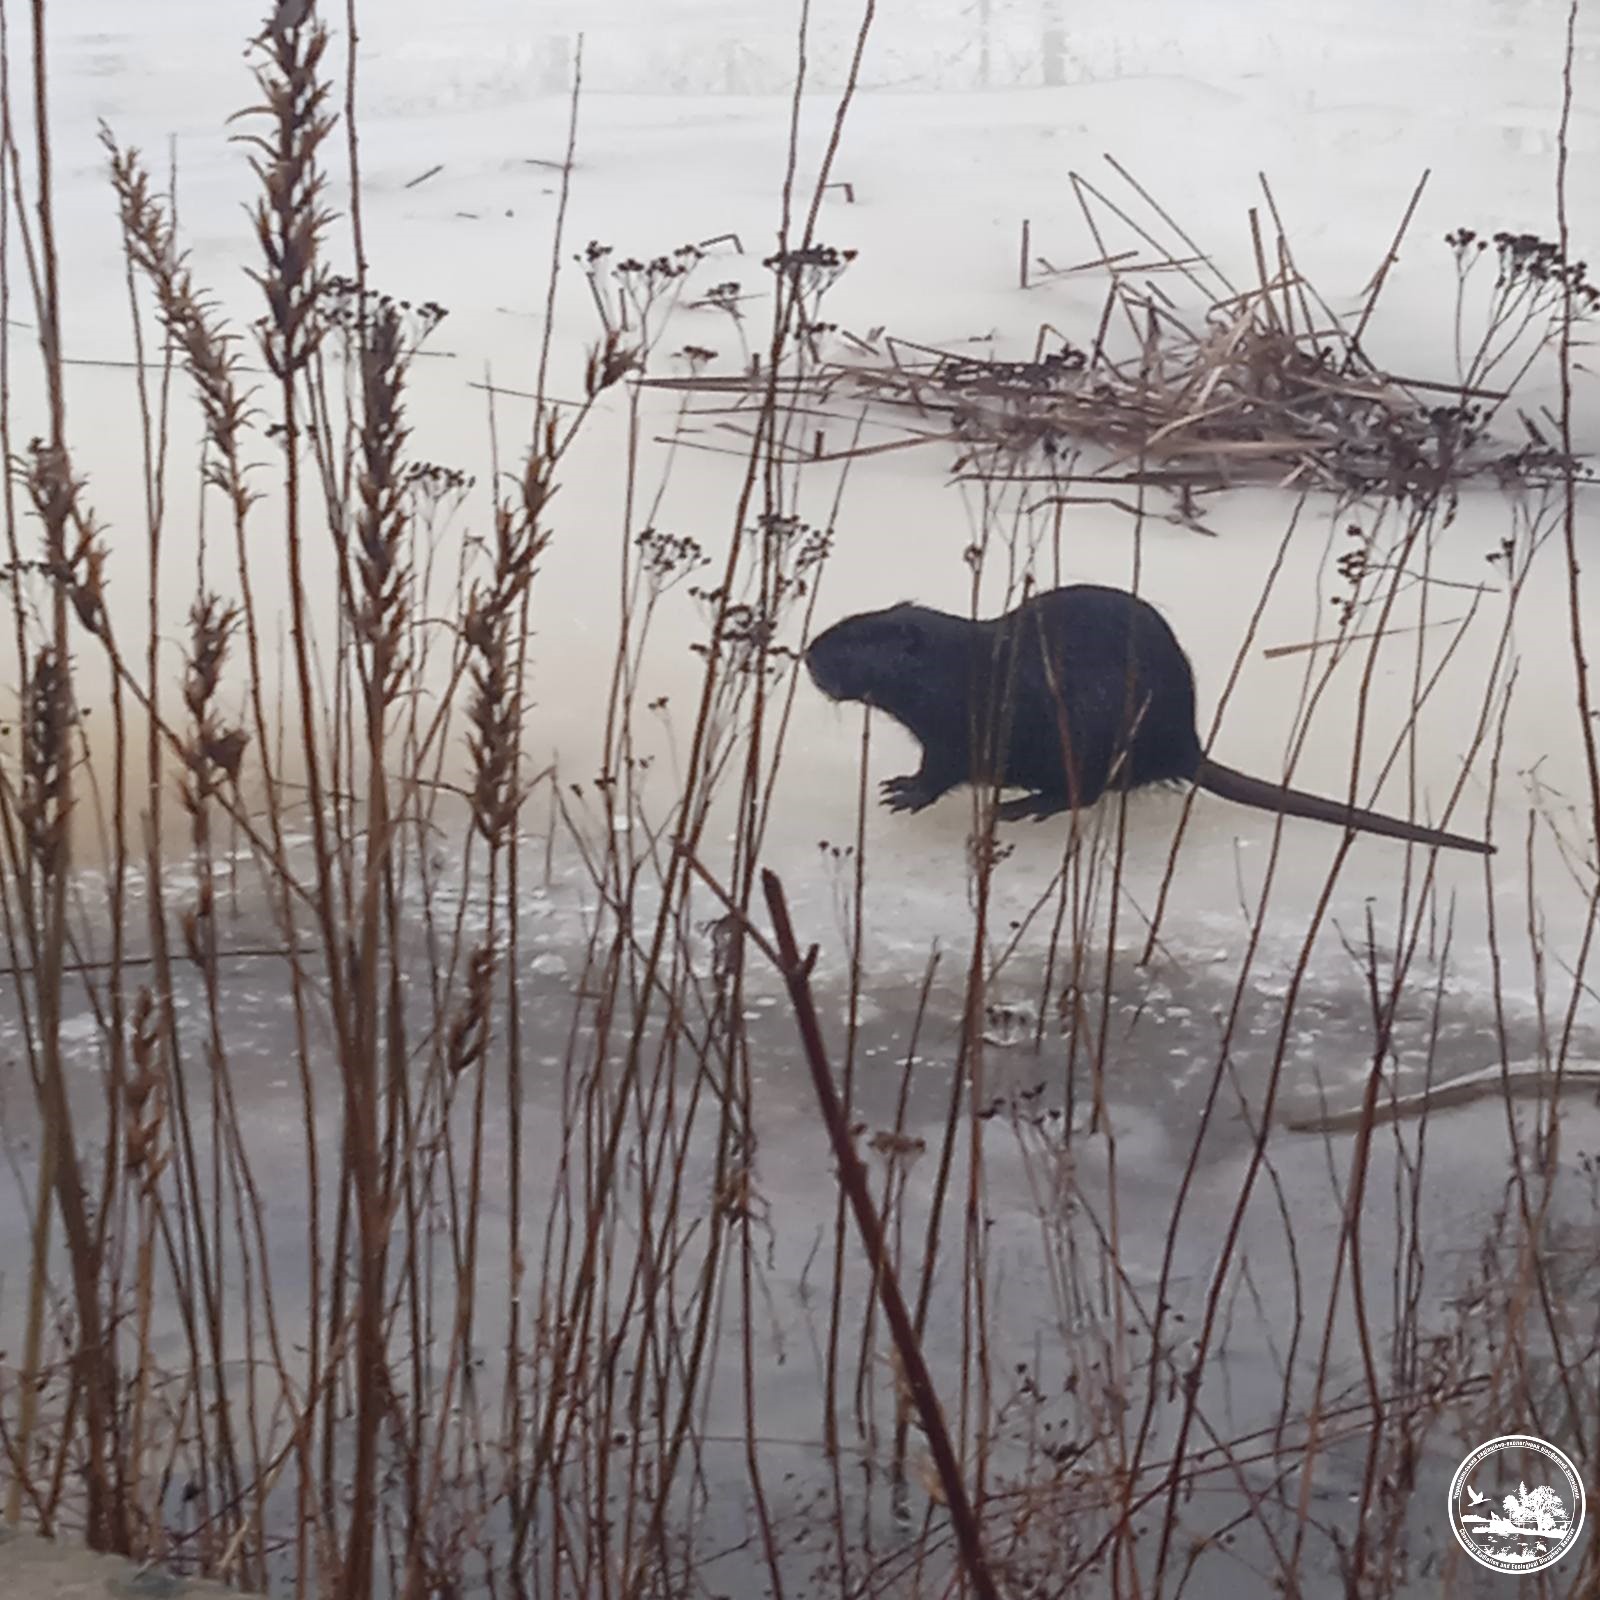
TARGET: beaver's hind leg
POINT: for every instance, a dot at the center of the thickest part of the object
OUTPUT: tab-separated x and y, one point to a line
1038	806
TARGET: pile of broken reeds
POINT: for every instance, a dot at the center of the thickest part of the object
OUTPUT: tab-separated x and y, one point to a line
1264	384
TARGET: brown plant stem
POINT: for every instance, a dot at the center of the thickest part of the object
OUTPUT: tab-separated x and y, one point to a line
796	973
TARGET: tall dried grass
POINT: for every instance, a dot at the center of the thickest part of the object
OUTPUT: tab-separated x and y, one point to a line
537	1293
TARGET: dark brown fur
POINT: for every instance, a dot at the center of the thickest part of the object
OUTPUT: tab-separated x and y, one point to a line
1076	691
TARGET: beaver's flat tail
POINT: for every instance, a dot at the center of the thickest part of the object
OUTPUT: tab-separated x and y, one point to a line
1241	788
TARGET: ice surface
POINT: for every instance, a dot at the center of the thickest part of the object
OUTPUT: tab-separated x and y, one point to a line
1340	115
952	143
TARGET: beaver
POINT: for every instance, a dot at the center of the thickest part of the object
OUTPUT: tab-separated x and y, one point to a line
1077	691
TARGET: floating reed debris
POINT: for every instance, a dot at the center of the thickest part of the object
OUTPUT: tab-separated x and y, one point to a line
1262	384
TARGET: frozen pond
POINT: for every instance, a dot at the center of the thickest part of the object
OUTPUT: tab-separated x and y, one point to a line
1089	1167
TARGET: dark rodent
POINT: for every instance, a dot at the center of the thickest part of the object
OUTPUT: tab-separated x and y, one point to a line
1085	672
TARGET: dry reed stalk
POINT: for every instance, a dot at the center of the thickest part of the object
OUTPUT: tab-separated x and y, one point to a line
205	348
145	1159
644	1262
291	219
739	631
796	971
45	807
34	808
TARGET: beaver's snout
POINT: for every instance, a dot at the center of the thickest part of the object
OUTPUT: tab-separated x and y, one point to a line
876	658
830	666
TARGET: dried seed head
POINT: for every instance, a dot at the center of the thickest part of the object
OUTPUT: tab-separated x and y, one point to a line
206	347
46	798
666	558
469	1028
144	1095
213	751
290	215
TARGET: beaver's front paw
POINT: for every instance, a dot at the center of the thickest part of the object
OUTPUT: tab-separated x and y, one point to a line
905	794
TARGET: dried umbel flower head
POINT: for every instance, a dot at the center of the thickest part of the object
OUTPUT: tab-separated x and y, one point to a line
628	293
745	631
1353	564
810	268
1526	262
1466	242
666	558
368	314
433	490
745	634
659	270
1525	257
793	542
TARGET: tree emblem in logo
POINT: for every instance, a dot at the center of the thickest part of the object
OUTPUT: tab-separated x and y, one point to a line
1500	1521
